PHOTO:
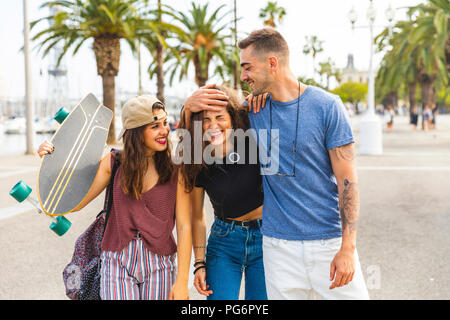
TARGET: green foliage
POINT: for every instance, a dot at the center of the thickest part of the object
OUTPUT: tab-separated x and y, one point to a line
352	92
313	46
310	82
443	97
201	41
105	22
272	12
79	20
328	70
418	49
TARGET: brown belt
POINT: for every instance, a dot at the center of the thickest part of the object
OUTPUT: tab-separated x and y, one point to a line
256	223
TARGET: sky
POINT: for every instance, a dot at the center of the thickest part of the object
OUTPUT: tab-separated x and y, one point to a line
327	19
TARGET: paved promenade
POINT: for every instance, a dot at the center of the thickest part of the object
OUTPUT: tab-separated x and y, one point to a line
403	235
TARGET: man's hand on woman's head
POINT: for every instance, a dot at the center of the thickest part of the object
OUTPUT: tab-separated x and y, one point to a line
257	102
206	98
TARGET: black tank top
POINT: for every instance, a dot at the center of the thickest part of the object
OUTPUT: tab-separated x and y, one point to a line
235	186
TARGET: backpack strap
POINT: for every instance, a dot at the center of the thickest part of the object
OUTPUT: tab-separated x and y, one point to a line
114	153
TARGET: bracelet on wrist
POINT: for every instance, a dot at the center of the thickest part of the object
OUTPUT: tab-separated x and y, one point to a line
202	262
198	268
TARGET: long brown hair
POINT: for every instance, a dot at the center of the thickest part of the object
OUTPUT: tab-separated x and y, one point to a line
135	162
239	120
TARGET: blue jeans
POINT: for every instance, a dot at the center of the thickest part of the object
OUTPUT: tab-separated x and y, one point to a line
231	251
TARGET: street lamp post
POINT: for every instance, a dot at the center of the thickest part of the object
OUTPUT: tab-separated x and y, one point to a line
371	142
352	16
390	16
28	98
371	14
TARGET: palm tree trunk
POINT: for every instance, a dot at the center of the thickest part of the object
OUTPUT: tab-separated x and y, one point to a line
235	63
412	99
412	95
390	99
447	53
139	66
109	95
426	82
160	63
160	72
201	82
107	54
200	76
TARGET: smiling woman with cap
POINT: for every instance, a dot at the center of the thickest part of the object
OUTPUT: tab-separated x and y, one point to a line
138	248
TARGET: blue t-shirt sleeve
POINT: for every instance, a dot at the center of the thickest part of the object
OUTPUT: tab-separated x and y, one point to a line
338	130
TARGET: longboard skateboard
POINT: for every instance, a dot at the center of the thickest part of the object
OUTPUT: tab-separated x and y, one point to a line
66	175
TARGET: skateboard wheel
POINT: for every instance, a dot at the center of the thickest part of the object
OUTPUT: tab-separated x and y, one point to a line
61	225
20	191
61	115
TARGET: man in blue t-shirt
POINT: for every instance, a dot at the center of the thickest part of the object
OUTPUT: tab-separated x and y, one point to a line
311	200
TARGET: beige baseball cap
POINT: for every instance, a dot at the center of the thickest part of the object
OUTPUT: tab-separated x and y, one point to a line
138	111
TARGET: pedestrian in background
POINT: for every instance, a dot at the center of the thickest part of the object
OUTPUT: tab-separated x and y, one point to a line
390	117
414	118
427	116
434	112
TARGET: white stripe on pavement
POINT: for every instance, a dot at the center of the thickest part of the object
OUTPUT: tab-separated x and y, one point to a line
15	210
416	154
18	172
15	167
402	168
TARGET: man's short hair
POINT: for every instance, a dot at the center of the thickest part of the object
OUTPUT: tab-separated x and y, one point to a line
265	41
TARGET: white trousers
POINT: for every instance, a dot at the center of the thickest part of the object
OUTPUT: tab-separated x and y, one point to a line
300	270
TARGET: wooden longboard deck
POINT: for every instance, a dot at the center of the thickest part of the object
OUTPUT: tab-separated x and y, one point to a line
66	175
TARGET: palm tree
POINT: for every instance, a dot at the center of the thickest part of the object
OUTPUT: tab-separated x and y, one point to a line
227	69
159	60
231	67
201	42
417	51
398	69
433	25
313	46
271	13
235	38
105	22
158	49
432	35
329	70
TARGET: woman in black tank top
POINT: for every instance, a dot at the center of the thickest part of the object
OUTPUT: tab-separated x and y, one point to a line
230	175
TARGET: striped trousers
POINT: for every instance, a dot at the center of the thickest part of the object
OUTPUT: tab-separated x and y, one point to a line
135	273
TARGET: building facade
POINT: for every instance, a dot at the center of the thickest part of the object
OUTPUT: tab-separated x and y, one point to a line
351	74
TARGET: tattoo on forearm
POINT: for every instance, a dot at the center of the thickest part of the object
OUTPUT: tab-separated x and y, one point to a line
346	152
350	206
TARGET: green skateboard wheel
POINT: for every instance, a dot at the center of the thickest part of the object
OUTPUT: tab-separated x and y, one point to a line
61	115
61	225
20	191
